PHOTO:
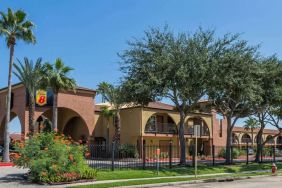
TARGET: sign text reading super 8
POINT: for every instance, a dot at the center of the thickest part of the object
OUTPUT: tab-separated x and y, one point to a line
41	97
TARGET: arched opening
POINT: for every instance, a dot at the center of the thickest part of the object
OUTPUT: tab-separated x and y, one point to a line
192	122
43	124
235	139
76	129
269	139
161	123
279	140
246	138
70	123
15	129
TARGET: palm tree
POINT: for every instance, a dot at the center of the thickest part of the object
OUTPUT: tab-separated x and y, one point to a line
107	114
14	26
251	124
30	75
113	95
55	77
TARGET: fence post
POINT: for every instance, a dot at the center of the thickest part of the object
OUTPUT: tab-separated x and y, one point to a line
144	155
170	154
113	156
232	154
213	154
247	162
273	154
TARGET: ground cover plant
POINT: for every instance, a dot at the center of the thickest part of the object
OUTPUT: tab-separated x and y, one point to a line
52	157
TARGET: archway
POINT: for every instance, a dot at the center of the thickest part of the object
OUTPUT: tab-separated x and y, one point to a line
161	123
15	128
76	129
191	122
70	123
246	138
235	139
269	139
279	140
42	124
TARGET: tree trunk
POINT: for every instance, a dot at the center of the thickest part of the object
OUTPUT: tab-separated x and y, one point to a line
259	143
55	112
228	140
31	109
6	157
182	139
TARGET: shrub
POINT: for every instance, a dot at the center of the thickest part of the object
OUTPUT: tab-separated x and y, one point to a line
236	153
126	150
53	158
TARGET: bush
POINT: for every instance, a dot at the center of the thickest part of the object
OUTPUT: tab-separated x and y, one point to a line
127	151
53	158
236	153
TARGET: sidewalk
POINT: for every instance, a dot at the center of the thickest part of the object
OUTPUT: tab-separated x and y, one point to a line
12	177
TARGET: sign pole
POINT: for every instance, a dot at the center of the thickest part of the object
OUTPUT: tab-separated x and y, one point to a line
158	160
196	133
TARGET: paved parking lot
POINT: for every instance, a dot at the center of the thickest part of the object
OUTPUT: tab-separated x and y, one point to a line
12	177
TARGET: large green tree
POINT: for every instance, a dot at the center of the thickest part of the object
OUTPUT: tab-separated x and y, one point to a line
30	75
13	26
267	111
55	78
165	65
232	85
112	94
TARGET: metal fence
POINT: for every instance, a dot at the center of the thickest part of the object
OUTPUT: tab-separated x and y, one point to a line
146	156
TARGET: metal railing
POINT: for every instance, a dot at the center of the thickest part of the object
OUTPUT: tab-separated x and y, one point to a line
115	157
161	128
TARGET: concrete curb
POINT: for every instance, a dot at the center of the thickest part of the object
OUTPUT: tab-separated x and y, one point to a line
171	184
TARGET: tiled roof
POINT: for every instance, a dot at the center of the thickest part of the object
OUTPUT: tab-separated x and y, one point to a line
266	131
160	105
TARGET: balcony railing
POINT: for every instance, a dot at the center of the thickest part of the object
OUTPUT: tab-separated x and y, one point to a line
203	131
161	128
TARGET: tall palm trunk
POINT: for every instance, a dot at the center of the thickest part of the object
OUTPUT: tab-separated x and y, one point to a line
117	126
31	109
182	139
55	112
6	157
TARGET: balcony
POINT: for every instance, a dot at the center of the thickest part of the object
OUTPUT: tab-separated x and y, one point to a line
204	131
161	128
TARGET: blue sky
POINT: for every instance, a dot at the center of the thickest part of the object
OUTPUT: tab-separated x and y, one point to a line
88	34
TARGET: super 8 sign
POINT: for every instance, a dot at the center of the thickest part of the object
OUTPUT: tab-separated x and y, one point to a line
41	97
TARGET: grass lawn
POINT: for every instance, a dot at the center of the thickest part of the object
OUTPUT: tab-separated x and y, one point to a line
181	171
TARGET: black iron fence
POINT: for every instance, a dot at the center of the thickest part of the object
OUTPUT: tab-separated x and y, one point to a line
147	156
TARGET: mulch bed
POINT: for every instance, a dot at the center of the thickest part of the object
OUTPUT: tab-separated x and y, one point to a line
2	164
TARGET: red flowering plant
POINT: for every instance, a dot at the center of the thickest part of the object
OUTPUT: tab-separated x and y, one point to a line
52	157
